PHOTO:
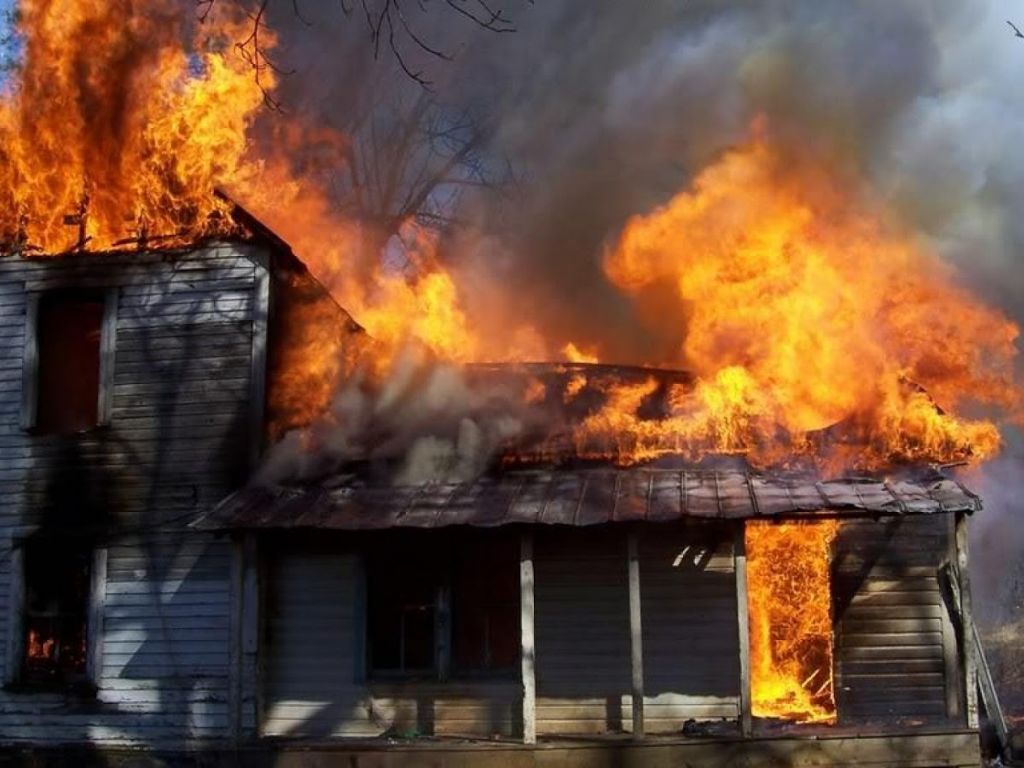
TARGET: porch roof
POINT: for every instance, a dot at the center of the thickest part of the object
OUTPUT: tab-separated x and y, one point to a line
581	498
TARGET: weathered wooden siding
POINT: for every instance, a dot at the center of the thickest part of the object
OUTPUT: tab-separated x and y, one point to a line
314	685
313	654
176	442
893	636
690	632
582	631
690	636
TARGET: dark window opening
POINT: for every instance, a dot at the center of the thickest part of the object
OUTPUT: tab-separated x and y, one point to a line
56	610
68	332
426	597
485	597
403	612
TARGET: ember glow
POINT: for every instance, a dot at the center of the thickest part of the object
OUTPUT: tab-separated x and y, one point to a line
790	608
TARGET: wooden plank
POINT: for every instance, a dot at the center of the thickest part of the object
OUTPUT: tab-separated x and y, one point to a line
250	623
528	647
15	613
636	635
97	605
986	685
108	347
743	629
30	363
950	610
967	622
258	377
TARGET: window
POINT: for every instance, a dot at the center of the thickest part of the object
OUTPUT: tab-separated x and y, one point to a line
485	631
440	609
405	599
68	338
57	582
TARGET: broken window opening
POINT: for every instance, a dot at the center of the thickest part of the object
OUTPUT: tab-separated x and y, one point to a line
69	329
440	611
57	581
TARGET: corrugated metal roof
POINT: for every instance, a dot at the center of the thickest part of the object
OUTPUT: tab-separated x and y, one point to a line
580	498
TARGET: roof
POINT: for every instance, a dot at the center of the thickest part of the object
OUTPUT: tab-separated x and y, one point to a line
581	498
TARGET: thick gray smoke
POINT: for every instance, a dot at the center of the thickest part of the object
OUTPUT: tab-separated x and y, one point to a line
604	110
426	416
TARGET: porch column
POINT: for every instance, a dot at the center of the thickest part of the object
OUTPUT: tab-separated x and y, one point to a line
526	635
743	626
244	636
636	635
967	622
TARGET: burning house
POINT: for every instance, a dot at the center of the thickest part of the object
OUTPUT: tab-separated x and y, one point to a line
239	525
540	610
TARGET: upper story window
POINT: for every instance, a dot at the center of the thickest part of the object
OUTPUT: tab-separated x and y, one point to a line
69	328
66	358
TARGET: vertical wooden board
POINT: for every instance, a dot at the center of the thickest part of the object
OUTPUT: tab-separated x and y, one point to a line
258	376
97	603
15	610
108	356
30	363
527	642
636	635
743	629
970	650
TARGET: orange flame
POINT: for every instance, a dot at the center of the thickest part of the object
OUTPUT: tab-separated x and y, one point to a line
790	608
121	122
804	308
40	648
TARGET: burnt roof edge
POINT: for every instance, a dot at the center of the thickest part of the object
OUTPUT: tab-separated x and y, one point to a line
472	504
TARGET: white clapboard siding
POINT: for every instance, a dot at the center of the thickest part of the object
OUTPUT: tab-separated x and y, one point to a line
176	443
690	633
164	674
582	631
892	631
309	656
311	664
690	636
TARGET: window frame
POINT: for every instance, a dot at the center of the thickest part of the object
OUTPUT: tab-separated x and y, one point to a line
30	360
14	667
445	668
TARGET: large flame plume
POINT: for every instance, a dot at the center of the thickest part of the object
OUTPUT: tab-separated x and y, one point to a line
122	121
805	308
815	326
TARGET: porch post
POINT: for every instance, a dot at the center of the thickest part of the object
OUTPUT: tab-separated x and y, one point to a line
636	635
743	626
245	636
967	622
526	635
